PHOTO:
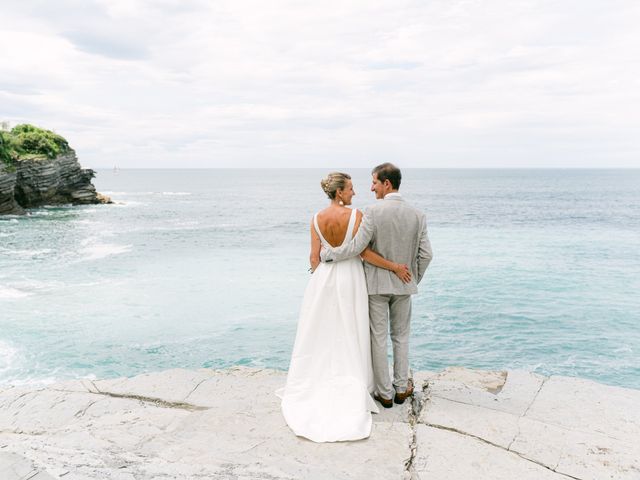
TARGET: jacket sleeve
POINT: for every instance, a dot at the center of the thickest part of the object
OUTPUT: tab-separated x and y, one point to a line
425	254
354	247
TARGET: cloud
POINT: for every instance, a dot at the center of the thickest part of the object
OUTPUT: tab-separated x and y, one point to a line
443	83
109	44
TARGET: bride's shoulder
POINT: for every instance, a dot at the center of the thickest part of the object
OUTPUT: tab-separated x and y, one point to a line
322	213
348	212
358	217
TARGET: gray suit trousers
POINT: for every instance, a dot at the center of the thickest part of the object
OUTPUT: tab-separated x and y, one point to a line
390	311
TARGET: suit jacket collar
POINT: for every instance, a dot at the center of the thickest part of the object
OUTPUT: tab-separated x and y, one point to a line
393	196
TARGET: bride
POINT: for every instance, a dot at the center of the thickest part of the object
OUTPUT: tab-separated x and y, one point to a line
327	395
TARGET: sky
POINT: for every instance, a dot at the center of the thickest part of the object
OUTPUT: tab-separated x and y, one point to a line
279	83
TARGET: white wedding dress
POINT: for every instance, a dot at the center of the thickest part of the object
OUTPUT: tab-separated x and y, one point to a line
327	395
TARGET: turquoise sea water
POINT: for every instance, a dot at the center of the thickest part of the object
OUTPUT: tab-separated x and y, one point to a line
533	269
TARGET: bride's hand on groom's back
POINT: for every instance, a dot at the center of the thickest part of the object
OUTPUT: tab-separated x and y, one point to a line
403	272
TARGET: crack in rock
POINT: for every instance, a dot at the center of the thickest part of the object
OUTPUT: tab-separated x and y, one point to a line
80	413
515	437
544	380
196	387
460	432
558	464
19	431
461	402
420	404
158	402
10	404
415	408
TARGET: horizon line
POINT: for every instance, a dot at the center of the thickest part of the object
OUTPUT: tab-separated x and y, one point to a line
364	168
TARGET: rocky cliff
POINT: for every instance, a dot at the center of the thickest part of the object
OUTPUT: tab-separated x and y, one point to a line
34	182
38	167
8	202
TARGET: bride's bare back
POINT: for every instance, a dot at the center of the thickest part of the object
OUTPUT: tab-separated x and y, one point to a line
333	223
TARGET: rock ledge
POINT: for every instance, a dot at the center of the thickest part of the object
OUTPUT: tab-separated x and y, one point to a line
226	424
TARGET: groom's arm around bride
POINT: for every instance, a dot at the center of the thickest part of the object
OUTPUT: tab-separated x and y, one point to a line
395	230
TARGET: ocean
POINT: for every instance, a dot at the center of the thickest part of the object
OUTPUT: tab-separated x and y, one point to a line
533	269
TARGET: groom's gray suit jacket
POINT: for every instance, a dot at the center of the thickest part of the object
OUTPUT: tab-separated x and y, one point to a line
398	232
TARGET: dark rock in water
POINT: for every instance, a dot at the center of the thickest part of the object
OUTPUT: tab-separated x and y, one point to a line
8	204
43	181
54	182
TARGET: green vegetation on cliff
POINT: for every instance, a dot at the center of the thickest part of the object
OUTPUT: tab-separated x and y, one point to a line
4	153
27	141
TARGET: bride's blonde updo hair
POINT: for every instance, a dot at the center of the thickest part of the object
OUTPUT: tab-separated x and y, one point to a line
333	182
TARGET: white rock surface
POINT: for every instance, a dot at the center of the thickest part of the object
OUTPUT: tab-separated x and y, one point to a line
447	455
207	424
570	427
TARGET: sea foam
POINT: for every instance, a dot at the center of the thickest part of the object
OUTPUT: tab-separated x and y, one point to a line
8	355
102	250
11	293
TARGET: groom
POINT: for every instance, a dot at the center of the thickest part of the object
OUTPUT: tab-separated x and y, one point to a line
398	232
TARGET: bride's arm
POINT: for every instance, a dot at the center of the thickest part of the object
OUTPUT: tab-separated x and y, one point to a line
402	271
374	258
314	256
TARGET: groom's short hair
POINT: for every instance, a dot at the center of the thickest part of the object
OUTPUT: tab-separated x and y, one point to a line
388	171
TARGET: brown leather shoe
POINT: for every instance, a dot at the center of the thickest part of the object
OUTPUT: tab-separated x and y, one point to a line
383	401
401	397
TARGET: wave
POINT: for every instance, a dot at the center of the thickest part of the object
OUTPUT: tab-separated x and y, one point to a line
27	253
180	225
113	193
47	211
138	194
102	250
27	288
15	371
127	204
8	356
34	381
11	293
